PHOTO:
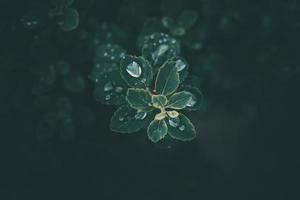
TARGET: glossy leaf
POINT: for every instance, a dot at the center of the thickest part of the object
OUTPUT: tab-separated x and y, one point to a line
196	101
180	100
136	71
139	99
157	130
181	128
167	80
128	120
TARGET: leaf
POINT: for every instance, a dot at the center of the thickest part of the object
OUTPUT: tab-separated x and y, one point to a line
157	130
108	54
187	19
158	48
70	20
181	128
167	80
159	101
136	71
180	100
139	99
196	101
128	120
110	89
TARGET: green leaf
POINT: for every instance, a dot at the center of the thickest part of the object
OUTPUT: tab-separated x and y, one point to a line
108	54
180	100
181	128
159	101
187	19
158	48
70	20
196	101
136	71
139	99
110	89
129	120
167	80
157	130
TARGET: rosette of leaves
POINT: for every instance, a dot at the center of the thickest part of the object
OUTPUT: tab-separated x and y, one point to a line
67	16
155	101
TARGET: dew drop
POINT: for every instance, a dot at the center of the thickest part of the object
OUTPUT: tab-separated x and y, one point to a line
180	65
143	80
191	102
119	89
174	122
121	118
140	115
134	69
108	86
107	97
181	128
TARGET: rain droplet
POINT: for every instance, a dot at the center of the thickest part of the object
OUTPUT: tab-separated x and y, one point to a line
180	65
182	127
174	122
134	69
105	54
121	118
191	102
140	115
119	89
107	97
108	86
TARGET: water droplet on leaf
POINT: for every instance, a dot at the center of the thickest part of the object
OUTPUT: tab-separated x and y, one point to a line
108	86
121	118
191	102
134	69
174	122
181	128
107	97
119	89
180	65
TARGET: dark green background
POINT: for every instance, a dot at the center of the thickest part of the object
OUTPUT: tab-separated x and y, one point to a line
247	144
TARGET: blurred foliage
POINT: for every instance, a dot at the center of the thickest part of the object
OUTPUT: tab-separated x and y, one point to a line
243	55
